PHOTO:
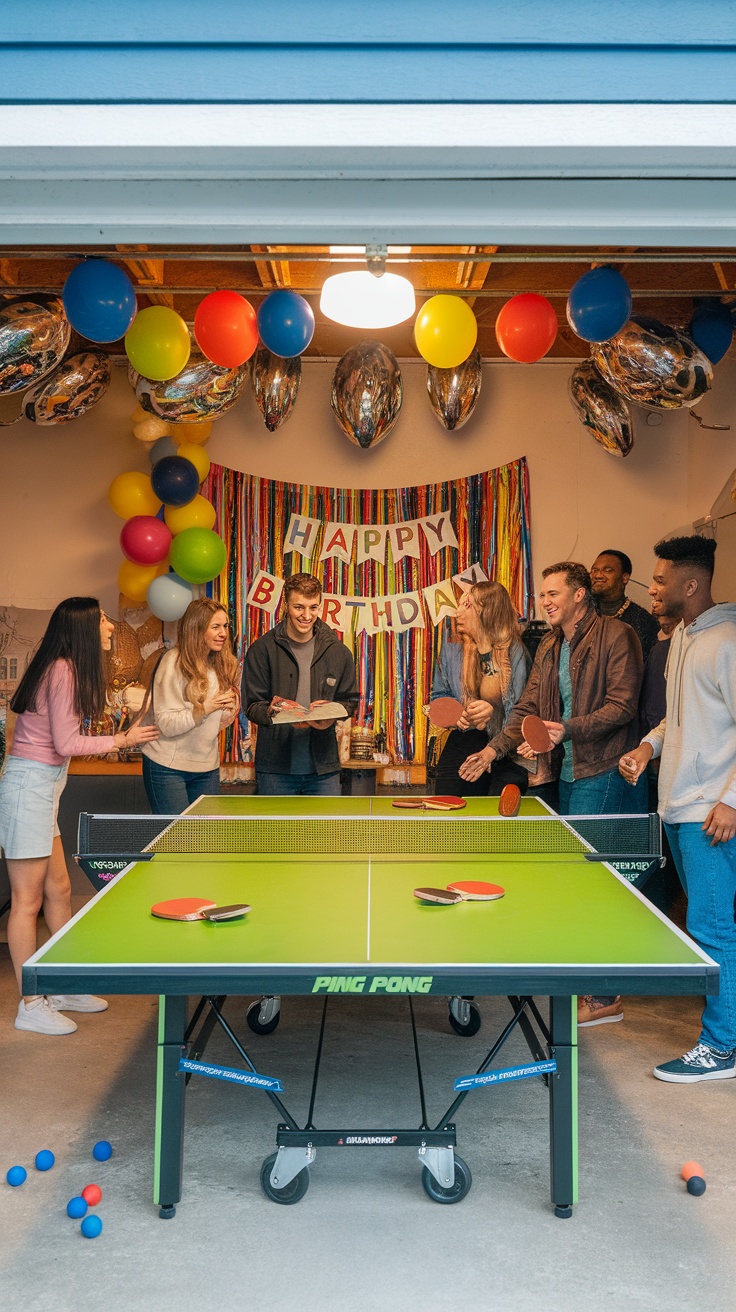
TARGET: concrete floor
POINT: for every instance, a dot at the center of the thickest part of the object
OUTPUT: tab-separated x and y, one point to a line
365	1236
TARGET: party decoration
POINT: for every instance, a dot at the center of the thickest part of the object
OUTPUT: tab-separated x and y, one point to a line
33	339
285	323
526	327
145	540
276	382
70	390
132	494
174	480
99	300
654	364
445	331
225	329
196	455
150	428
134	580
199	513
168	597
367	391
201	391
604	413
198	555
10	409
196	433
122	663
711	328
453	393
157	343
165	446
599	305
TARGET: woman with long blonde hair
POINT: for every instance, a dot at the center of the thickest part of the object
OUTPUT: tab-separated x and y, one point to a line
194	696
486	670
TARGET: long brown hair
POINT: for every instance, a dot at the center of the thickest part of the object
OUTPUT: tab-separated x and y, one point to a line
195	662
499	631
72	634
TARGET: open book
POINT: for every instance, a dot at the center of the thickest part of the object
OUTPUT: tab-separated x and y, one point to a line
293	713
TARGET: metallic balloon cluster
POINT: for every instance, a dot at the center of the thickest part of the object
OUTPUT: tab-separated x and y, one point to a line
604	413
453	393
201	391
275	380
34	338
367	392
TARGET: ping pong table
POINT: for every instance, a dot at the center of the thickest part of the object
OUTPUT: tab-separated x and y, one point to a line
330	882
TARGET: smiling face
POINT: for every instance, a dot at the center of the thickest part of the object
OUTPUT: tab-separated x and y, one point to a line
302	614
608	577
562	604
670	589
215	635
107	628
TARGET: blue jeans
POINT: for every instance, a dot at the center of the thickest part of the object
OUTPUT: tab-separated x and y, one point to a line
298	785
708	876
604	794
170	792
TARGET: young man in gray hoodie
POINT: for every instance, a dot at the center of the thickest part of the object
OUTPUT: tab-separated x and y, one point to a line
697	782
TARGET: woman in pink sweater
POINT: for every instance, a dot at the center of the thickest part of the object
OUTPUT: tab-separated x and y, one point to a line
62	688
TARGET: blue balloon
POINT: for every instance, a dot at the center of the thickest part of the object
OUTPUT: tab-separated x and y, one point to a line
286	323
175	481
711	328
99	300
165	446
599	305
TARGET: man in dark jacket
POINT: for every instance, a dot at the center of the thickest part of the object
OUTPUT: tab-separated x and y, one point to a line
300	660
610	573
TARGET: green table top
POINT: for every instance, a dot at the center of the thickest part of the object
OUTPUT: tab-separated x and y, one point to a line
344	806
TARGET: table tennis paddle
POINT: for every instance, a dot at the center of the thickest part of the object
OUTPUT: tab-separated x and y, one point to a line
475	890
429	803
197	908
445	712
438	896
509	803
536	734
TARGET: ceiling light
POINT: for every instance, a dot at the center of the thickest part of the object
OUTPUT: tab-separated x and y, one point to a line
368	298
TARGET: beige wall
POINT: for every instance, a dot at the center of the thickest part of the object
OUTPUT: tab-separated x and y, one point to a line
58	536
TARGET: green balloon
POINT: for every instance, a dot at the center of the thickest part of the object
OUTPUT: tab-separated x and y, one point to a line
197	555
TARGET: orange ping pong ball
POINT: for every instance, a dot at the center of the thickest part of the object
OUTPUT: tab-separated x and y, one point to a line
692	1168
92	1194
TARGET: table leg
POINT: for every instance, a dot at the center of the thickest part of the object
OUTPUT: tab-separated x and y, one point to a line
563	1105
170	1090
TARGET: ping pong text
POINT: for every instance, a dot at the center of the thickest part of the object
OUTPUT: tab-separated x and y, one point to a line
372	984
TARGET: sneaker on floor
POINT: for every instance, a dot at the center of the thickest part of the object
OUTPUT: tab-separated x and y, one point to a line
700	1063
593	1012
77	1002
40	1018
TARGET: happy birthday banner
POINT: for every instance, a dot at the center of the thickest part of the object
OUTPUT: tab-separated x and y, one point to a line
392	564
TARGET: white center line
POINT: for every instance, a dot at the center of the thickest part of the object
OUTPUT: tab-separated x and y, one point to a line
368	943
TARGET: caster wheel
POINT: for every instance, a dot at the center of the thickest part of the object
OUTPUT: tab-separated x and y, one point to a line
471	1027
458	1190
292	1192
255	1025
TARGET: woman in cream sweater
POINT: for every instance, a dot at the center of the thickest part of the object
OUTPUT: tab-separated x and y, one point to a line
194	697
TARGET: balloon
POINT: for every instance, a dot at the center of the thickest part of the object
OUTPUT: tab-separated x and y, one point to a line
655	365
599	305
201	391
604	413
174	480
145	540
445	331
99	300
454	392
200	513
166	446
276	380
168	597
367	391
77	384
711	328
150	428
157	343
526	327
286	323
198	555
10	409
196	433
225	329
33	340
135	580
196	456
132	494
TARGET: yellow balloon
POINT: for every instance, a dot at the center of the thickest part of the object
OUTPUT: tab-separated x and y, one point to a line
138	414
134	580
131	494
197	456
158	343
445	331
192	432
199	513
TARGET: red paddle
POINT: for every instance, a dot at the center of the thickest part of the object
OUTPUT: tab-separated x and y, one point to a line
440	896
536	734
197	908
475	890
445	712
509	803
429	803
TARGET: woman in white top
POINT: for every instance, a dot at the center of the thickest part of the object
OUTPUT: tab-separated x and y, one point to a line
194	697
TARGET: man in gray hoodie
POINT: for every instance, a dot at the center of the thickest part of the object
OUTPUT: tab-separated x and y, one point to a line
697	782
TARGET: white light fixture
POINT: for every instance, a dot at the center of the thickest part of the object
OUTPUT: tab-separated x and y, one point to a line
368	298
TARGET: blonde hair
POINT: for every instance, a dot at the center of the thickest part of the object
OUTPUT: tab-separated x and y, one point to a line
499	630
195	662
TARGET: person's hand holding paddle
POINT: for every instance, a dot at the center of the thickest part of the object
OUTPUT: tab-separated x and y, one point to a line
539	736
473	766
633	764
720	823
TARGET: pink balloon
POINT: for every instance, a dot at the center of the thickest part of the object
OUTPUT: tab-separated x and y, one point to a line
145	540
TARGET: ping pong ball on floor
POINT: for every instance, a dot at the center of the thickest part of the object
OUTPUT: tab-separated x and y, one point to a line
691	1168
44	1160
76	1207
91	1194
694	1177
102	1151
16	1175
91	1227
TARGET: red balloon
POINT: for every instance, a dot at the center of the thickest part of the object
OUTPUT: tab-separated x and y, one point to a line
526	327
226	329
145	540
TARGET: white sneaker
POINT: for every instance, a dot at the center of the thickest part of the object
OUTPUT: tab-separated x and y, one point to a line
41	1018
77	1002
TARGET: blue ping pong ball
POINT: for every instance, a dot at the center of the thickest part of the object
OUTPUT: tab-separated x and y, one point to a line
16	1175
76	1207
91	1227
44	1160
102	1151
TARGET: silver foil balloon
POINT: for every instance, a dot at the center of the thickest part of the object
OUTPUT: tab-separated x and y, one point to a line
654	365
367	391
70	391
201	391
275	385
454	392
603	412
33	340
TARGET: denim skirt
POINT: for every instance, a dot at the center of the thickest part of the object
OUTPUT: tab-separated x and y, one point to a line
29	805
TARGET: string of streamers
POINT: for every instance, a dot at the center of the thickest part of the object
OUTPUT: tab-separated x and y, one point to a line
490	513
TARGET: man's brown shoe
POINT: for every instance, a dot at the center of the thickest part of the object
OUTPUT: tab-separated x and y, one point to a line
593	1012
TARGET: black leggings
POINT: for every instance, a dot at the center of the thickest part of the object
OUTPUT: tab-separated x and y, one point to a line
461	744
